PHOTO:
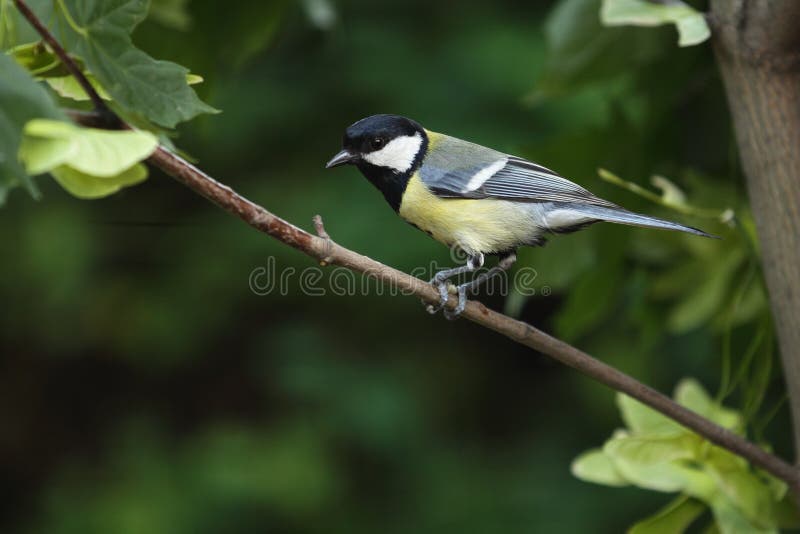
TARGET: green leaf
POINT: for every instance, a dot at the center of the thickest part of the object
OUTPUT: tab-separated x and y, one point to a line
729	519
41	155
666	477
100	153
757	384
87	186
691	24
8	26
171	13
595	466
750	494
643	419
709	294
21	99
88	163
659	463
690	393
673	518
15	29
651	450
99	32
68	87
35	57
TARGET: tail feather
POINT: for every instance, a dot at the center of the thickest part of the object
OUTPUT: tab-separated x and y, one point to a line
622	216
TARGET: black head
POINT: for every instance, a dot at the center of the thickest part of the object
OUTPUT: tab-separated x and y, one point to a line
387	149
389	141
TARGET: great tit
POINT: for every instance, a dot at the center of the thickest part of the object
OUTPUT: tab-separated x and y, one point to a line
472	197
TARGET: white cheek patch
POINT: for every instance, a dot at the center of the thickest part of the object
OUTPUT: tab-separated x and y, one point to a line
398	154
480	177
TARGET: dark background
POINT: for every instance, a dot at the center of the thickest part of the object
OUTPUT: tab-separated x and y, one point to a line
145	388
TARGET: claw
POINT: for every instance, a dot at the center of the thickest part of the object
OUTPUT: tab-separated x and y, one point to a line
440	281
462	303
444	295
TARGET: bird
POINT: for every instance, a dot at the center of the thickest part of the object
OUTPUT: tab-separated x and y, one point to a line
474	198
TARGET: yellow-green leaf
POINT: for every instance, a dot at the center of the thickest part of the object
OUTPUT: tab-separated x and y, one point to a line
68	87
658	462
595	466
730	520
691	24
35	57
43	154
650	450
750	494
673	518
691	394
643	419
90	187
91	151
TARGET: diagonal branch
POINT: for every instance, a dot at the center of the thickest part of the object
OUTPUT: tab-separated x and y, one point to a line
65	58
325	250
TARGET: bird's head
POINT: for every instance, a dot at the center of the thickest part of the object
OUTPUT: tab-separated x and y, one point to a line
388	142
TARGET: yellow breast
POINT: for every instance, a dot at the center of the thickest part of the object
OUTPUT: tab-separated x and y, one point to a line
484	225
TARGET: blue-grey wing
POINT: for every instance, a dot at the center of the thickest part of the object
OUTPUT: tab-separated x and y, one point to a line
459	169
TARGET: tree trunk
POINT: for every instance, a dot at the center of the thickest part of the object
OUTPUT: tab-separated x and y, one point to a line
757	45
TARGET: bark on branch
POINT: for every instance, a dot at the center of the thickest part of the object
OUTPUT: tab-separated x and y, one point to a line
326	250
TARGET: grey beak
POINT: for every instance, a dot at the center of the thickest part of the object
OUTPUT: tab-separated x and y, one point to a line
341	158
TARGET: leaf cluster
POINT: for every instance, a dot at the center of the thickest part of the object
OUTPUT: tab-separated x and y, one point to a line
655	453
155	95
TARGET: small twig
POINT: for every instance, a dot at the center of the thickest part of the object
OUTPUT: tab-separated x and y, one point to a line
721	215
319	226
66	59
325	249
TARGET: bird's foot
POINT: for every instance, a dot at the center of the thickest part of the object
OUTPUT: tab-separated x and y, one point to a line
452	315
443	287
440	282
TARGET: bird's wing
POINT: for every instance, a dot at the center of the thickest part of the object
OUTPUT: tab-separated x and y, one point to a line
459	169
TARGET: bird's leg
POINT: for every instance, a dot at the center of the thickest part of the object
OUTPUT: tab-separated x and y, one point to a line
503	265
440	279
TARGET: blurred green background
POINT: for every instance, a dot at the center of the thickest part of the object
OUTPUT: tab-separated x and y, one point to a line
146	388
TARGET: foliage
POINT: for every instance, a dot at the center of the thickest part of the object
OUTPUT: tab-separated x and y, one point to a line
21	100
656	453
98	34
87	162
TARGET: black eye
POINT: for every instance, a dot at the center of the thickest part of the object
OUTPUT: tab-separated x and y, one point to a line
377	143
